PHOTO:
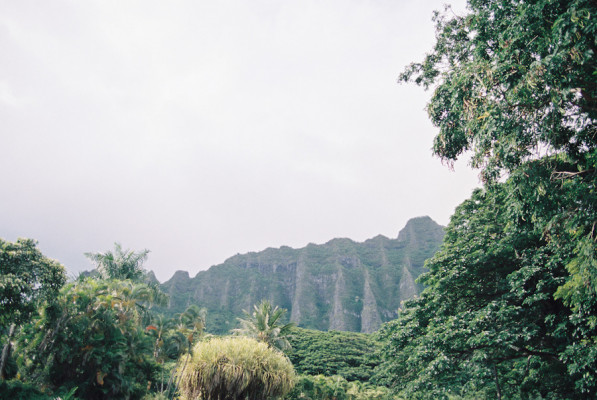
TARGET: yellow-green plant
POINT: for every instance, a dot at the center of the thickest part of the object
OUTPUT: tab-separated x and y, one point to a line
235	368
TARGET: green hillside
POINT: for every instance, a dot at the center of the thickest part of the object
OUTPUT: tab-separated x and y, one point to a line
340	285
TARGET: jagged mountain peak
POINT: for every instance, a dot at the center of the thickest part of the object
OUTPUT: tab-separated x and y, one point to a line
339	241
419	228
341	284
180	274
151	279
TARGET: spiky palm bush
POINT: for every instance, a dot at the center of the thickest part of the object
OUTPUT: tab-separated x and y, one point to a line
235	368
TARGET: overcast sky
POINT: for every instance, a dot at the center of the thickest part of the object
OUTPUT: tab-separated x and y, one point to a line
202	129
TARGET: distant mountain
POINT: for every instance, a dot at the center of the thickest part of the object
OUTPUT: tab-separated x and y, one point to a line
340	285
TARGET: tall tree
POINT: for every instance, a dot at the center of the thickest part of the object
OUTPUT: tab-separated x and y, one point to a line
516	82
488	323
94	339
265	325
175	337
515	79
515	86
27	279
119	264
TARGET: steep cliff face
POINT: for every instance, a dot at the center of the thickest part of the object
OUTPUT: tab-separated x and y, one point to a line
340	285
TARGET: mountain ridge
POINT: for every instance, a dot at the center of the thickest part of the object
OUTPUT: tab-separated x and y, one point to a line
339	285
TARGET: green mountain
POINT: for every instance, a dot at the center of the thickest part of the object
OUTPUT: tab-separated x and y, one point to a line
340	285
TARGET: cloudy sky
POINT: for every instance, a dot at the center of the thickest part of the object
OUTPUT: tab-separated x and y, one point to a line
201	129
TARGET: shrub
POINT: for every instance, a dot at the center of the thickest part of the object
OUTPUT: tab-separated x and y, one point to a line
234	368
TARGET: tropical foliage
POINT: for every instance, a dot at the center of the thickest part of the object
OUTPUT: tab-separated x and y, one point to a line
515	80
119	264
322	387
173	338
509	309
235	368
176	336
488	323
93	339
265	325
350	355
516	83
28	279
96	338
18	390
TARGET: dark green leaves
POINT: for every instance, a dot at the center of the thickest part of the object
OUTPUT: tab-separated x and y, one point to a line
92	338
487	321
515	79
511	297
351	355
27	278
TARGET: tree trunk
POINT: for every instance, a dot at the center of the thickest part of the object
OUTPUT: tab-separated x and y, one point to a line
6	351
497	383
177	382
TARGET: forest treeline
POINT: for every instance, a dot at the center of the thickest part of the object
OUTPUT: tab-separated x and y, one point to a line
99	337
509	309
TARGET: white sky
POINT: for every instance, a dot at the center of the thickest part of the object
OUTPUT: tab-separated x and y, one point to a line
202	129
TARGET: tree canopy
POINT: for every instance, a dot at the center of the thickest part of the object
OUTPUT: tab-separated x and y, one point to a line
119	264
511	298
27	278
320	387
351	355
515	80
517	83
488	323
94	339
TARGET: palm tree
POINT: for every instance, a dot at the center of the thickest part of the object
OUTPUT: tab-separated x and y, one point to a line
189	325
93	340
264	324
119	264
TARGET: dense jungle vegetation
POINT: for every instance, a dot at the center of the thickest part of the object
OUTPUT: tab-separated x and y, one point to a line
509	309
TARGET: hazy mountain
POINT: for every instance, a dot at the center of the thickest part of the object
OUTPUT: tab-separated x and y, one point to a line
340	285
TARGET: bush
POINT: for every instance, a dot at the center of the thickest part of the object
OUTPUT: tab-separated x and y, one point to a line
321	387
234	368
17	390
351	355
